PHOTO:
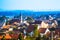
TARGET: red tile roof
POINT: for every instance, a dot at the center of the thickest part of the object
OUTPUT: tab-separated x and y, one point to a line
30	28
7	26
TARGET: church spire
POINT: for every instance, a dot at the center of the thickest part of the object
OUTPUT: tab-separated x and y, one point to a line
21	17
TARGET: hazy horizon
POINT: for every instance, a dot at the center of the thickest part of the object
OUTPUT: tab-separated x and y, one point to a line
33	5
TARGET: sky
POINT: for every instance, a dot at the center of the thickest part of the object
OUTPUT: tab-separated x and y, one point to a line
35	5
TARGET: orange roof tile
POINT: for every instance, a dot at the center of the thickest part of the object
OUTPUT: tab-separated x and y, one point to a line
8	36
0	37
7	26
15	22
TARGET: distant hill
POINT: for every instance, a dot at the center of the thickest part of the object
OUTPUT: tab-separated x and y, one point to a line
27	12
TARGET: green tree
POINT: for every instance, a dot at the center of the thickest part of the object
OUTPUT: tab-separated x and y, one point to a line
11	32
20	37
3	38
36	33
44	37
39	37
30	19
29	38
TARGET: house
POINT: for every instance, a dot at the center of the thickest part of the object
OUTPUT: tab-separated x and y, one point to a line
43	30
6	26
14	21
7	36
30	28
2	23
36	22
